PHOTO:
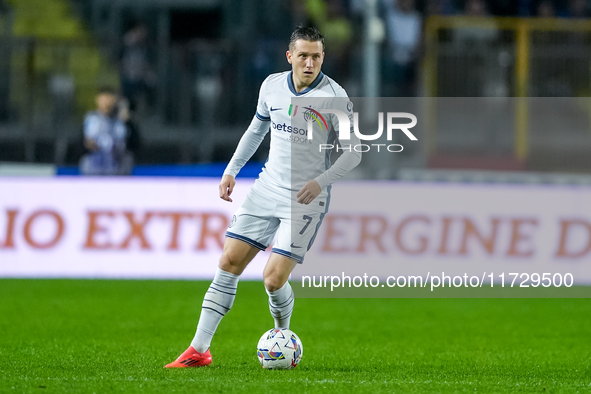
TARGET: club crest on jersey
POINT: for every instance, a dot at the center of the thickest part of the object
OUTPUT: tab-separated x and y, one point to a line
311	113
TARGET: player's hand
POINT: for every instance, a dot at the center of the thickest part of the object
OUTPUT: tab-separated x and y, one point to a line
309	192
226	187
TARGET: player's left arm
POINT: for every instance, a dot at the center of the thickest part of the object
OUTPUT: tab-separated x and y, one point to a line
345	163
309	192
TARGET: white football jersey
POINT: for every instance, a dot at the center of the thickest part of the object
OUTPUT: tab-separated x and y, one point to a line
293	158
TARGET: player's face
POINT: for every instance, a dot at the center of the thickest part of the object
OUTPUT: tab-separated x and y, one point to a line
105	103
306	59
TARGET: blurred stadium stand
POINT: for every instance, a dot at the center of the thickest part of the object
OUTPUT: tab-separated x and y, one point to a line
514	57
208	58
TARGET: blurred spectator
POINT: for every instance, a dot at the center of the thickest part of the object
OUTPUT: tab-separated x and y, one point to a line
545	9
404	29
136	74
476	8
104	137
577	9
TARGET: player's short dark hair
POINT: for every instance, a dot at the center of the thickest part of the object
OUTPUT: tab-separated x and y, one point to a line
107	90
308	33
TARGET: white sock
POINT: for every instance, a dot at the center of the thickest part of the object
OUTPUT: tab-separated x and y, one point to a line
281	305
217	302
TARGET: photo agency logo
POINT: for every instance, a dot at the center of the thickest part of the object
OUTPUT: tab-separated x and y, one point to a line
312	116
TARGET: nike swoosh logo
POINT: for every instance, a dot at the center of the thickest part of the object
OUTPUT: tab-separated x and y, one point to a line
275	109
295	247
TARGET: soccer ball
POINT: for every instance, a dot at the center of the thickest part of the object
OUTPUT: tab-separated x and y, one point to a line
279	348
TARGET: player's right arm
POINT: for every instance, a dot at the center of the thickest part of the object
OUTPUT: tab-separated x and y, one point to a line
248	145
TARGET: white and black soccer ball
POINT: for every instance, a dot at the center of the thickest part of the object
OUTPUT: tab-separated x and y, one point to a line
279	348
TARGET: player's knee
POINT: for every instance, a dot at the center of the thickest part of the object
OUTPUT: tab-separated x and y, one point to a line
273	282
230	263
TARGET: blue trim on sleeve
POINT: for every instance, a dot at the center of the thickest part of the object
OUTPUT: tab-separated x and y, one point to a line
312	85
332	138
294	257
263	118
246	239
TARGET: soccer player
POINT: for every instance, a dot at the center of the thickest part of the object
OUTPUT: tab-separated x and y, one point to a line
289	198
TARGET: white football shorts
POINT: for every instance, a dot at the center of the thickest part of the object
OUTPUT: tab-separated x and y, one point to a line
260	218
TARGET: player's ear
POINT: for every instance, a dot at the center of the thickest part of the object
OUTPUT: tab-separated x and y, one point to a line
288	56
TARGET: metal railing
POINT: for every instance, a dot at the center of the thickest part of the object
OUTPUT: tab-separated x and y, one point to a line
511	57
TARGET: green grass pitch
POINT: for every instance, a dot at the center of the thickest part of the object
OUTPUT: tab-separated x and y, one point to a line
115	336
